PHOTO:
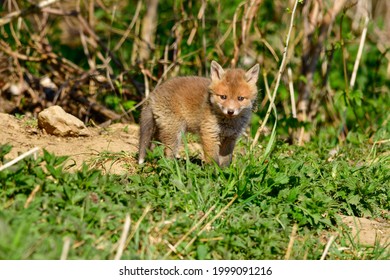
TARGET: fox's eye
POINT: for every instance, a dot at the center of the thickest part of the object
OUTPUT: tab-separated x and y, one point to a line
223	97
240	98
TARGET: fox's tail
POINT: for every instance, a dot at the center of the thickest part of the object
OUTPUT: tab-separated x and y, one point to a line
147	130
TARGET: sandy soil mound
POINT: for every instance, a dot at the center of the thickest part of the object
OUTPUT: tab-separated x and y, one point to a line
24	135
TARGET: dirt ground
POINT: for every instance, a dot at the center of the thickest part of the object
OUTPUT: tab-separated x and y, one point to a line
24	135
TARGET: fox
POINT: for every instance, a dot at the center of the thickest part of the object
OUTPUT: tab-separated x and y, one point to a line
218	109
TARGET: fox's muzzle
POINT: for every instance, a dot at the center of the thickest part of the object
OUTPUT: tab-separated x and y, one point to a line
231	113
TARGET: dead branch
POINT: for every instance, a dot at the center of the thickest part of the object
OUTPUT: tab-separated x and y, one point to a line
7	49
33	8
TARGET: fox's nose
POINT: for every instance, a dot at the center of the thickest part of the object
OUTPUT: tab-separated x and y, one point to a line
230	112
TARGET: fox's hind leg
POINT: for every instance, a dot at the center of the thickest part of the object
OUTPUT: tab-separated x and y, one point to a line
147	131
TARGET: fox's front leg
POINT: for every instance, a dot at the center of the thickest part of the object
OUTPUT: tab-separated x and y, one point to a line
226	151
210	141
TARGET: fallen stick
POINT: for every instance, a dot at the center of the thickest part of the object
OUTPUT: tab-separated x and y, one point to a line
291	242
22	156
122	240
327	247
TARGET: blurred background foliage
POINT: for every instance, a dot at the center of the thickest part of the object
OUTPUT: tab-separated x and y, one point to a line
99	59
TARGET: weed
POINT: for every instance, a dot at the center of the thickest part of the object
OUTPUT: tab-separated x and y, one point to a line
171	199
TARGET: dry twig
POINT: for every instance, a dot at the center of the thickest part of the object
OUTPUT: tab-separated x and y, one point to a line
19	158
280	72
359	54
137	224
8	18
173	248
291	242
65	248
31	196
292	94
211	222
122	239
327	247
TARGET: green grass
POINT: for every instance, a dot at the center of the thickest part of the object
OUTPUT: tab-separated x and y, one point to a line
246	211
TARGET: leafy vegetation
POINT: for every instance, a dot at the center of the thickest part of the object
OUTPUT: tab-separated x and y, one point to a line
165	200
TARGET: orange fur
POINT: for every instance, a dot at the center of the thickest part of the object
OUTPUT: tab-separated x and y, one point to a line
218	109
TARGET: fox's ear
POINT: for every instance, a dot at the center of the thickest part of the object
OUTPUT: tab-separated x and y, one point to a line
252	74
216	71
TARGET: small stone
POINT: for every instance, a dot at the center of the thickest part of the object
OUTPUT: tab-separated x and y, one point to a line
54	120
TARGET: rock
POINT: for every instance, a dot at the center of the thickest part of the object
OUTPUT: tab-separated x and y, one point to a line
54	120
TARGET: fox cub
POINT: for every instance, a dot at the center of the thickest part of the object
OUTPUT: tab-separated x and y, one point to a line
217	109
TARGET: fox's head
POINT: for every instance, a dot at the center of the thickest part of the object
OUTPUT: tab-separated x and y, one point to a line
233	90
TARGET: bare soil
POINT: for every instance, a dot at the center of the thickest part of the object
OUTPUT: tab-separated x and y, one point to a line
122	141
368	232
23	134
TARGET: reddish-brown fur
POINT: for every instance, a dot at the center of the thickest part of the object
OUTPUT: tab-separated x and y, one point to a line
218	110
